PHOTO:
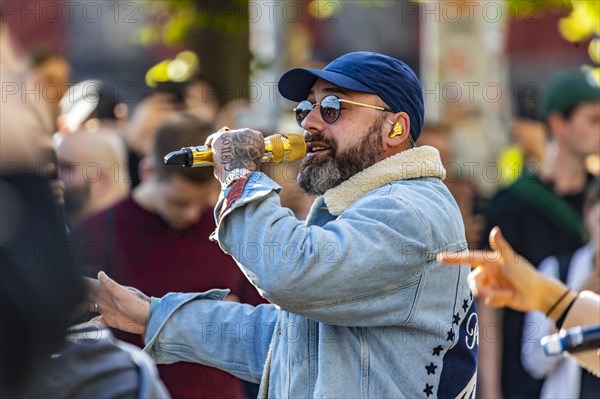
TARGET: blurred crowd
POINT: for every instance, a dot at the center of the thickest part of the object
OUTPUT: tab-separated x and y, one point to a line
122	211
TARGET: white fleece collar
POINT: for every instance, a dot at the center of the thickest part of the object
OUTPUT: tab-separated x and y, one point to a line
410	164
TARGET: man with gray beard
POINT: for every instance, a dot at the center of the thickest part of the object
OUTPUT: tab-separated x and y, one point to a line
319	175
360	307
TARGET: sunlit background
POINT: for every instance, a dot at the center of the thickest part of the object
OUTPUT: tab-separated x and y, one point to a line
482	63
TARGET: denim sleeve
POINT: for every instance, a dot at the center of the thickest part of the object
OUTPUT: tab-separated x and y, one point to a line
354	270
201	328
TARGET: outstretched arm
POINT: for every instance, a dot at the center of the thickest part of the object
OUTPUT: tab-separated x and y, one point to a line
504	278
123	308
193	327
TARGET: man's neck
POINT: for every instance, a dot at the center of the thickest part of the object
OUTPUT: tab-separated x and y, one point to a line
564	169
142	195
103	199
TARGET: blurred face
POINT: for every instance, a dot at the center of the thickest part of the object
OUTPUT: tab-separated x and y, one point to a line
77	199
337	151
77	182
180	202
582	128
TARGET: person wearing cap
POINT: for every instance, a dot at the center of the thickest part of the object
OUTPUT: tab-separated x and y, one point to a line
541	216
360	305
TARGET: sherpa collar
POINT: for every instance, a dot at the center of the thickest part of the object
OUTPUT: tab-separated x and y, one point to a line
410	164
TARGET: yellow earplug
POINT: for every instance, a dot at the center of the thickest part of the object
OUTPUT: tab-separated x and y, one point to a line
398	130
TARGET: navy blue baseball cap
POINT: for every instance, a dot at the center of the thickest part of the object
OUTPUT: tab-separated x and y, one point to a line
366	72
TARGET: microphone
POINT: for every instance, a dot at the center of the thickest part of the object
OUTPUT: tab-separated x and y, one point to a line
572	340
278	148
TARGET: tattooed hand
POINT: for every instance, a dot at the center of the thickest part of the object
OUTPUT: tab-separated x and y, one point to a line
124	308
235	149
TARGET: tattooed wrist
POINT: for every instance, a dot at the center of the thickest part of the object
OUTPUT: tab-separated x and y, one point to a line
240	150
140	294
143	297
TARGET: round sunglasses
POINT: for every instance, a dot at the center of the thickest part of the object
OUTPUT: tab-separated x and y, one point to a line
330	107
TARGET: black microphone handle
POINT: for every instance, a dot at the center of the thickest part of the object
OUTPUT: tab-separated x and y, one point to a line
588	338
573	340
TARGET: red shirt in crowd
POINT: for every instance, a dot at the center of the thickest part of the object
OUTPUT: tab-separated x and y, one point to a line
137	248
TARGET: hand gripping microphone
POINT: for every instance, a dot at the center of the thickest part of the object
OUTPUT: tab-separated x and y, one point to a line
278	148
572	340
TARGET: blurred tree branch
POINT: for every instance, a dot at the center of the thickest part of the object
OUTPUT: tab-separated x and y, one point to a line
216	30
210	26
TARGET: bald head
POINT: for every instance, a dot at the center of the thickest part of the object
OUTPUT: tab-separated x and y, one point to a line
93	170
85	147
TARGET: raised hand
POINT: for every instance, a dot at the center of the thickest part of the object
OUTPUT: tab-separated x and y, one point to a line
504	278
236	149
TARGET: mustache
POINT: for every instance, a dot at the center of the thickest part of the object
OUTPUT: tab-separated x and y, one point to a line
319	137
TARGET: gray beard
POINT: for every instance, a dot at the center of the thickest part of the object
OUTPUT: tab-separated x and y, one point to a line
317	176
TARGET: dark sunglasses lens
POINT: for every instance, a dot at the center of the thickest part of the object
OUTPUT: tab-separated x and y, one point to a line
302	111
330	109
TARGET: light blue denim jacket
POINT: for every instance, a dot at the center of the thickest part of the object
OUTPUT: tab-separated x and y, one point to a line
360	306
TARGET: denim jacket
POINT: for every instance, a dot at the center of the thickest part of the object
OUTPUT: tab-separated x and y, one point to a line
360	306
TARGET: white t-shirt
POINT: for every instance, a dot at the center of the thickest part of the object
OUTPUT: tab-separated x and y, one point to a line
562	374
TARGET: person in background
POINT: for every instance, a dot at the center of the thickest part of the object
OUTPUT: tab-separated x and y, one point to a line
195	97
503	278
563	377
88	105
540	216
41	291
462	189
92	169
26	125
157	239
525	152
